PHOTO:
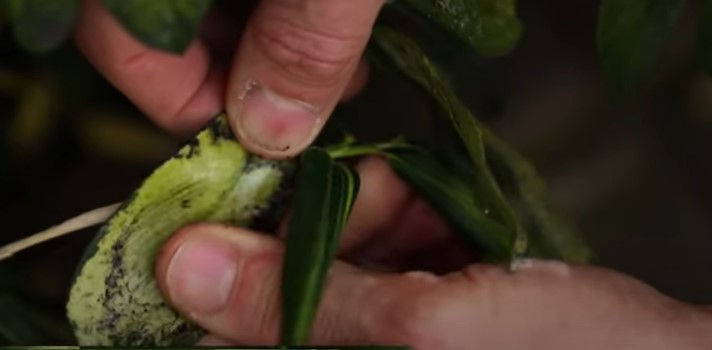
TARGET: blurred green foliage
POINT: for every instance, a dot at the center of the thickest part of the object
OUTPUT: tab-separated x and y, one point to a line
631	35
41	25
149	20
62	128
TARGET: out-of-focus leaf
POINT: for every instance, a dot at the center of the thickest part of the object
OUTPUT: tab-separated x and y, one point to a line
168	25
323	198
631	36
113	135
549	234
490	26
503	166
42	25
24	325
34	118
15	328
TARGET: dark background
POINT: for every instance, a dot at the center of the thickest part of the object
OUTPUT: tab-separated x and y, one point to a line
632	174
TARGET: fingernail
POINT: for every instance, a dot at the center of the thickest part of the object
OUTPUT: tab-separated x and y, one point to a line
273	122
200	276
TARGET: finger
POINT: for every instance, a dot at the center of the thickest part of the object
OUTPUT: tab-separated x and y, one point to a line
227	280
390	225
180	93
357	82
213	340
418	239
294	63
381	199
388	221
441	257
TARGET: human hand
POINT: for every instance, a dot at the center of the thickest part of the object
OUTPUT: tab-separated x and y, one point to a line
296	59
382	290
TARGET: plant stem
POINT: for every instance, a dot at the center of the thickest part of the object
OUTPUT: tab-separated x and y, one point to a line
87	219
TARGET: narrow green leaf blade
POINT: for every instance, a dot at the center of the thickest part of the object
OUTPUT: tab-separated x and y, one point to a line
324	194
42	25
452	197
549	235
524	192
631	35
411	60
447	187
490	26
345	186
168	25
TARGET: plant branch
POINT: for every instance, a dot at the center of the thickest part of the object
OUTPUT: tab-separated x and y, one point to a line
90	218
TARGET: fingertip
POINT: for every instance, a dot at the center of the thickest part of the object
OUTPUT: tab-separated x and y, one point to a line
270	124
204	104
294	64
355	307
170	247
211	272
164	256
179	92
358	81
197	266
277	127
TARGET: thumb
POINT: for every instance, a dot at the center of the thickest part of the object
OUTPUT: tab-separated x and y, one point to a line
295	61
228	281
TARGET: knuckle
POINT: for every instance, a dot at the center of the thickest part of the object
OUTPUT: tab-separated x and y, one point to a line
308	55
481	274
412	320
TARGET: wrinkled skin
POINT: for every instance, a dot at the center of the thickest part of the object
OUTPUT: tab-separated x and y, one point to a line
402	278
383	290
295	61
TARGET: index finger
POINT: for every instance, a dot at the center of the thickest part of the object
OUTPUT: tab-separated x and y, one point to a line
180	93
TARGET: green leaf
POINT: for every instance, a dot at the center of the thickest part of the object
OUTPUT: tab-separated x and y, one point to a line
42	25
413	62
631	36
114	299
506	184
447	188
451	196
345	185
168	25
549	234
490	26
323	198
349	148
